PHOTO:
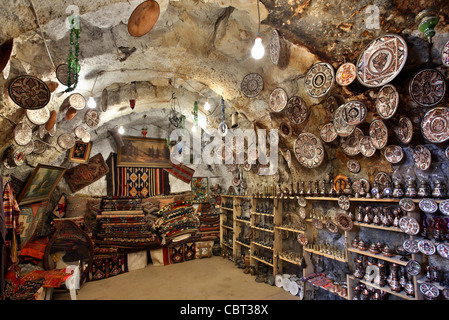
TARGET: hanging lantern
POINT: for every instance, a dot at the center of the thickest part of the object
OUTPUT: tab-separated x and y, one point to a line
222	127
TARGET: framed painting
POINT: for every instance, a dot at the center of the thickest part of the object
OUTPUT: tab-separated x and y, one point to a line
40	184
144	152
199	189
80	152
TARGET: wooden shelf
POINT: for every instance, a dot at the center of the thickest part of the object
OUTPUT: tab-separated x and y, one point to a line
227	227
386	288
230	209
289	229
324	254
243	221
261	260
375	226
267	230
395	259
242	244
261	245
263	214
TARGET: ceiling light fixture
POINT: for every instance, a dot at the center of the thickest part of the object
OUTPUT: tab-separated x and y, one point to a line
207	105
91	102
121	129
258	50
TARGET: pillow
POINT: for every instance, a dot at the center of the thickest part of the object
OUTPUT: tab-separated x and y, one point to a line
76	207
61	207
34	250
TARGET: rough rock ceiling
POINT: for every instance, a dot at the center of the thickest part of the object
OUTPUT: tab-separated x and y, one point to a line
197	49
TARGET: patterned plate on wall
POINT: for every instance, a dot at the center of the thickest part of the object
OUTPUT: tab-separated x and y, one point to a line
445	54
275	47
429	290
405	130
92	118
435	125
444	207
346	74
330	106
428	205
378	133
278	99
77	101
366	147
29	92
38	116
409	225
308	150
354	112
393	153
353	166
341	127
410	246
350	145
426	246
381	60
422	157
319	79
387	101
297	110
22	134
328	133
382	179
427	87
252	85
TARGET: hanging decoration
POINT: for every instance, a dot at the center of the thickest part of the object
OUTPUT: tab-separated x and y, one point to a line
145	127
132	100
222	127
73	66
195	116
177	119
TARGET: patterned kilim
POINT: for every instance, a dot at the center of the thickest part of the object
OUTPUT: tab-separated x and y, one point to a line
182	253
136	182
181	172
107	265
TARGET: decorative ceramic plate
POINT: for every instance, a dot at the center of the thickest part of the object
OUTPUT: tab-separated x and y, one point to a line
332	227
445	54
319	79
66	141
86	137
38	116
22	134
286	284
92	118
77	101
427	87
361	184
428	205
80	132
344	221
343	129
381	60
426	246
413	268
302	239
405	130
297	110
350	145
409	225
330	107
411	246
346	74
387	101
278	280
62	73
435	125
285	129
29	92
252	85
393	153
429	290
382	179
354	112
443	250
308	150
302	213
302	202
278	99
378	133
344	203
407	204
366	147
39	147
328	133
318	224
275	47
294	289
444	207
353	166
422	157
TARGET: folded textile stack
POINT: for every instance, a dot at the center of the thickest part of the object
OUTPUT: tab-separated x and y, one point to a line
209	228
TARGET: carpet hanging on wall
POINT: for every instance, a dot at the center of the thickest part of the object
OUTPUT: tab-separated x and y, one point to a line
135	181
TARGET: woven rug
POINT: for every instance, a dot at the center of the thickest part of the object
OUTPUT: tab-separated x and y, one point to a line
83	175
106	266
181	172
29	218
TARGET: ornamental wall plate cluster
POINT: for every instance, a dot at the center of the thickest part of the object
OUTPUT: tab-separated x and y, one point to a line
435	125
297	110
278	99
381	60
319	79
427	87
252	85
346	74
308	150
393	153
354	112
422	157
29	92
378	133
387	101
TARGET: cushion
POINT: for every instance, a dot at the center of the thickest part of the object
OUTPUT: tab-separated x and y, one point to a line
76	207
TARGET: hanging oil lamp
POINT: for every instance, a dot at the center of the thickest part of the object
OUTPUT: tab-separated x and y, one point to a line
132	100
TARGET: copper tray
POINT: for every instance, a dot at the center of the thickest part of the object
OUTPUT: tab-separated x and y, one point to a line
435	125
393	153
252	85
328	133
319	79
405	130
427	87
354	112
387	101
308	150
378	133
278	99
350	145
341	127
367	148
143	18
297	110
29	92
422	157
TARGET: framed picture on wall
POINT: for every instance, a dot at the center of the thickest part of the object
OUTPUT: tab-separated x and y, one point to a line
40	184
199	187
144	152
80	152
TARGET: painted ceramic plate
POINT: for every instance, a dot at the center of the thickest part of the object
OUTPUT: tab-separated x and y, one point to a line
413	268
86	137
445	54
61	73
297	110
286	284
411	246
354	112
80	132
302	213
22	134
366	147
302	239
382	179
308	150
29	92
66	140
346	74
92	118
426	246
435	125
319	79
328	133
409	225
294	288
350	145
387	101
353	166
344	203
405	130
381	60
343	129
393	153
302	203
39	147
252	85
378	133
275	47
278	280
77	101
285	129
422	157
278	99
330	107
444	207
344	221
407	204
428	205
443	250
38	116
429	290
427	87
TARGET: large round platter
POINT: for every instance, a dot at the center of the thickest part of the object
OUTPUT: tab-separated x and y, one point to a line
286	284
444	207
366	147
344	203
381	60
92	118
413	268
353	166
443	250
429	290
38	116
407	204
350	145
22	134
409	225
405	130
66	140
29	92
428	205
297	110
354	112
77	101
143	18
382	179
343	129
387	101
435	125
445	54
275	47
319	79
328	133
278	99
378	133
427	87
302	239
426	246
410	246
422	157
344	221
252	85
346	74
393	153
308	150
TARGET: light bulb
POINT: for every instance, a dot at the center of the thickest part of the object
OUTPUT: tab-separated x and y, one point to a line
207	105
258	50
121	130
91	103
